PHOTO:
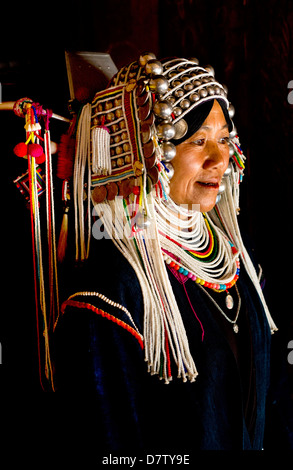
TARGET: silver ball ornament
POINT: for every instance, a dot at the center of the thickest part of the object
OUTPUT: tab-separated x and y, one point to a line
145	57
211	90
233	133
185	103
203	92
210	70
231	111
158	84
177	111
194	97
153	67
168	151
162	109
231	150
194	60
166	131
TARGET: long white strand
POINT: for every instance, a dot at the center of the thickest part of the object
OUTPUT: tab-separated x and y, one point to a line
178	337
228	210
154	292
108	212
81	159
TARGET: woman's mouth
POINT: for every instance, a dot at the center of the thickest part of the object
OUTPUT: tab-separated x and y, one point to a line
208	184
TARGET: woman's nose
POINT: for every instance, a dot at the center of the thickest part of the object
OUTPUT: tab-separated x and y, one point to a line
215	157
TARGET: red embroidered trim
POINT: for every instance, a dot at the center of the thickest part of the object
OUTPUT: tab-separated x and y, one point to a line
98	311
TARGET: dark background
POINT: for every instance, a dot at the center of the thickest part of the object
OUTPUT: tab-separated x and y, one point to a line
249	44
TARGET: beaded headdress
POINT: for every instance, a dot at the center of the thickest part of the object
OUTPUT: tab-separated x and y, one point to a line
126	140
143	112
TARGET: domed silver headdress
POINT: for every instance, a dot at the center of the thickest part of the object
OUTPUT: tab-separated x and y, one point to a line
143	111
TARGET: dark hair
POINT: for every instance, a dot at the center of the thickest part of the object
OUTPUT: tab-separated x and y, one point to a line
198	115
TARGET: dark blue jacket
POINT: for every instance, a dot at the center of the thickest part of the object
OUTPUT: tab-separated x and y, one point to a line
224	409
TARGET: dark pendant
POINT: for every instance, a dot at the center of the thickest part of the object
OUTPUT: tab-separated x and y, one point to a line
229	302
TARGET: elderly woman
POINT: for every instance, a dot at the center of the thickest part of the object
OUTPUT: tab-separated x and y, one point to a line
167	324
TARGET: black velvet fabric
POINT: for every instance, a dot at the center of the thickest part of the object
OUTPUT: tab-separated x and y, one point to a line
224	409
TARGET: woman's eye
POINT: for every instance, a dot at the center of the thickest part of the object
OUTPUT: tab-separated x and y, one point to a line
224	140
198	142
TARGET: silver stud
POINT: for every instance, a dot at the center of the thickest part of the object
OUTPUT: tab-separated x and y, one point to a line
145	57
188	86
168	151
231	150
177	111
211	90
233	132
194	97
166	131
231	111
194	60
178	93
162	109
184	104
203	92
158	84
175	83
210	69
153	67
171	99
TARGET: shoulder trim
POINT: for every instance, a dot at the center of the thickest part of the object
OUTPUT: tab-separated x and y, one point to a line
108	316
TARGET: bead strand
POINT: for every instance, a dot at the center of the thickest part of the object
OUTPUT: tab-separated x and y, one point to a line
108	301
219	287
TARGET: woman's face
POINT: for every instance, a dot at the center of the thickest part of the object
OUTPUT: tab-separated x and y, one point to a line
200	163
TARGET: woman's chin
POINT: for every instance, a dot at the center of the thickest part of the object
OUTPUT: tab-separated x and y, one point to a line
205	204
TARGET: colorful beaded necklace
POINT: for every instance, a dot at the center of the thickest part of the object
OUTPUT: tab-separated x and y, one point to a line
209	258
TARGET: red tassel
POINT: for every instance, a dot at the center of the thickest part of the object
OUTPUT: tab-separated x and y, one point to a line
66	151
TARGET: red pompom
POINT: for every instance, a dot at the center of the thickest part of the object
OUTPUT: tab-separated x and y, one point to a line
20	149
35	150
40	159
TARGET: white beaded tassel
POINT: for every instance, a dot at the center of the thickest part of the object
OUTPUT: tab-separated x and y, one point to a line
161	313
101	157
227	207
